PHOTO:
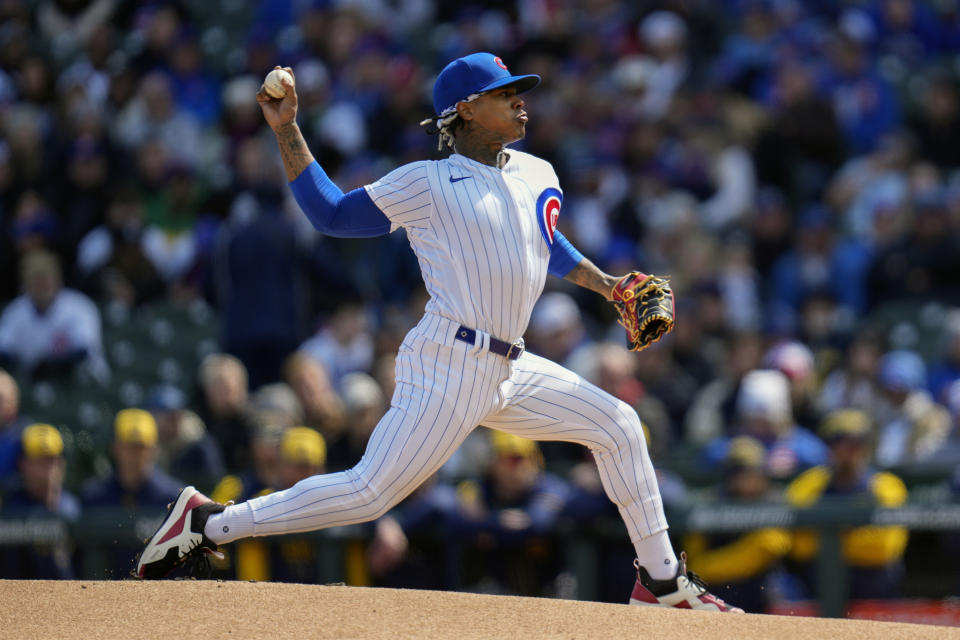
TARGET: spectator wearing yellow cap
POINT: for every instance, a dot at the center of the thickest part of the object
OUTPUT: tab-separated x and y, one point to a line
302	454
135	483
504	521
873	554
741	566
40	494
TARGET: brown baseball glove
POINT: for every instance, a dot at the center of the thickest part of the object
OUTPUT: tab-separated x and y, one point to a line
645	305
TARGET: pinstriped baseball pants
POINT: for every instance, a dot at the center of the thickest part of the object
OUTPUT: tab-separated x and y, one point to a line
445	388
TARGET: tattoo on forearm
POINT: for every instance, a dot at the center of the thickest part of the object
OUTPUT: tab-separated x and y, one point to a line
587	275
293	150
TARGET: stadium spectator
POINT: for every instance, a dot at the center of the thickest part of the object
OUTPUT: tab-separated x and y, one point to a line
185	449
135	484
224	407
664	35
260	478
12	424
504	522
873	555
947	456
111	258
49	330
40	494
302	454
259	263
801	146
926	261
153	114
322	406
344	345
278	402
937	125
865	103
409	548
764	412
818	264
854	384
556	329
363	404
946	369
652	394
263	475
174	236
795	360
713	408
910	425
135	481
740	565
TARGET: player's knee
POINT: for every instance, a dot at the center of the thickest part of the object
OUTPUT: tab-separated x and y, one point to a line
372	490
629	433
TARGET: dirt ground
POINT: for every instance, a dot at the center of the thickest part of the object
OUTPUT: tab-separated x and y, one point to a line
203	610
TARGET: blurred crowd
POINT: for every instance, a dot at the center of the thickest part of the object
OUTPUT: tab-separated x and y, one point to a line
793	166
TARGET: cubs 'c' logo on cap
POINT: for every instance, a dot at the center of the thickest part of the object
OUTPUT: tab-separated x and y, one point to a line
500	63
548	212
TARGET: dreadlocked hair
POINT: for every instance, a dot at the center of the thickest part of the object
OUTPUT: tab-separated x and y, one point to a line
446	123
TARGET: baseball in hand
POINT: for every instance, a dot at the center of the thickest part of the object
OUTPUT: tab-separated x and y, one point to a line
272	83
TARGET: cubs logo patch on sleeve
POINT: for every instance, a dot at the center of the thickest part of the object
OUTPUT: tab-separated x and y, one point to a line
548	213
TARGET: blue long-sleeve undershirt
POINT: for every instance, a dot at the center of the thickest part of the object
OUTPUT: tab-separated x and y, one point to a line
354	215
333	212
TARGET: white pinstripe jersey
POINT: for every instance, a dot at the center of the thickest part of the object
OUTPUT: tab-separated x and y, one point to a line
482	234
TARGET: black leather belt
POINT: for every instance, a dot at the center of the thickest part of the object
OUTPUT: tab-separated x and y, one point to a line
499	347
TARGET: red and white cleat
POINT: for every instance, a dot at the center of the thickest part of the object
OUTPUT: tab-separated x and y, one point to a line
180	537
683	591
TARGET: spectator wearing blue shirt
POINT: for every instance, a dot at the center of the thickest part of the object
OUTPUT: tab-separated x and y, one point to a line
194	89
409	549
865	103
910	425
819	264
135	483
260	264
40	495
504	520
764	411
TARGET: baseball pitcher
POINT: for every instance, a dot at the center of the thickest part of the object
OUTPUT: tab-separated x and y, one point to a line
483	224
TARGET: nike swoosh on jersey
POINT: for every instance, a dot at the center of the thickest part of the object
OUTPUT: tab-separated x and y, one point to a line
452	179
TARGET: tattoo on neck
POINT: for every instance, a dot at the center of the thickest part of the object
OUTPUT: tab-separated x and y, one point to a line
479	145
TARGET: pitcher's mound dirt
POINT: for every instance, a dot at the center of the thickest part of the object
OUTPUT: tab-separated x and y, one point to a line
203	610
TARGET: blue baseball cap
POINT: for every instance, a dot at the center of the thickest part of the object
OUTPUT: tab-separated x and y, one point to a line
902	370
475	73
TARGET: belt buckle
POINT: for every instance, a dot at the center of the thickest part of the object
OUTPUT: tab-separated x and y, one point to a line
519	345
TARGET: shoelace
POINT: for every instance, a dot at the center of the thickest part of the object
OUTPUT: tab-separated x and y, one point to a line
697	581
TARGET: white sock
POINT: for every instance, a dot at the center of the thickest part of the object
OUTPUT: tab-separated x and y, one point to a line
233	523
655	554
